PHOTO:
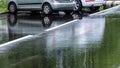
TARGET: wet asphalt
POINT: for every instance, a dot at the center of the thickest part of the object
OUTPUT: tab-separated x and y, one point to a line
54	41
15	26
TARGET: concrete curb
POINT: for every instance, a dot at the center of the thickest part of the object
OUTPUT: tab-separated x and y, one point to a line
112	10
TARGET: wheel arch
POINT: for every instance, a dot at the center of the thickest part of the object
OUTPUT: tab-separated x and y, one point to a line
81	2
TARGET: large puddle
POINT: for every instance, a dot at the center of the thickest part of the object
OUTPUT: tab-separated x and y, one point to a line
86	43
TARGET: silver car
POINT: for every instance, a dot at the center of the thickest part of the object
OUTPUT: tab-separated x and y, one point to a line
47	6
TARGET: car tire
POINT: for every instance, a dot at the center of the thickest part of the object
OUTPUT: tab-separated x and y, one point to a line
47	9
78	6
12	8
94	8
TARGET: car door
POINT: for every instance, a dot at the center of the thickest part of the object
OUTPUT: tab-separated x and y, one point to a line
24	4
36	4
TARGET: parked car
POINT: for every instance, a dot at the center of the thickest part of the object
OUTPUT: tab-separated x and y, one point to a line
50	6
93	5
47	6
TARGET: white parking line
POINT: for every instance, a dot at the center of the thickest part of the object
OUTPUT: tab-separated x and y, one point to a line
32	36
16	40
60	25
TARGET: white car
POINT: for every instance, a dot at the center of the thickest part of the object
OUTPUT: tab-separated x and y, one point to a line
92	4
47	6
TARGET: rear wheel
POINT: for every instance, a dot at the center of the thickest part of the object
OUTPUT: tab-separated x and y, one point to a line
12	8
47	9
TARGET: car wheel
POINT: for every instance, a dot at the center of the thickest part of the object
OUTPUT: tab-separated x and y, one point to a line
78	6
12	8
47	9
94	8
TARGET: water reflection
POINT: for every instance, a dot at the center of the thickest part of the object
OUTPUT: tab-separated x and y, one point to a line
21	25
84	34
3	30
60	48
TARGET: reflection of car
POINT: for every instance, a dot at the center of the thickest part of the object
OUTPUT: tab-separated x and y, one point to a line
33	24
47	6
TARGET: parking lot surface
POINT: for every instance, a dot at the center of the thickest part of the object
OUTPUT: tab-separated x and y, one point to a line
58	41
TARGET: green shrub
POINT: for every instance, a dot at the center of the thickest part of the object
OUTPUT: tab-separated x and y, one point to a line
113	16
3	6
